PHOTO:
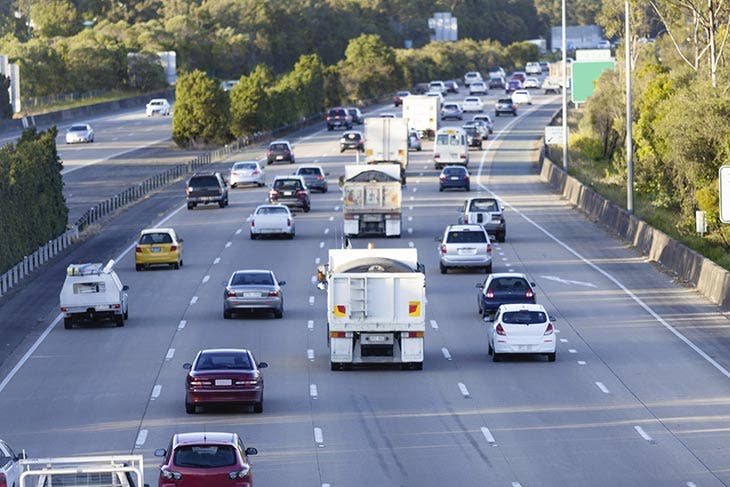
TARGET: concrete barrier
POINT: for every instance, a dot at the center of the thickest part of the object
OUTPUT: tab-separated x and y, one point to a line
711	280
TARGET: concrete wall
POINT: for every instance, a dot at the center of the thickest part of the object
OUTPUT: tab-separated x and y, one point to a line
708	278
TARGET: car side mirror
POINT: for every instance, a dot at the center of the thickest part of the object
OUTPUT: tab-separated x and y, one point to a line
22	455
282	283
479	285
438	239
180	240
326	174
488	318
187	366
262	365
551	318
125	288
533	284
250	217
160	452
251	451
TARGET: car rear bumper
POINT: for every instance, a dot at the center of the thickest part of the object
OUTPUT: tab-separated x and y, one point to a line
453	184
156	258
237	396
466	261
546	345
232	304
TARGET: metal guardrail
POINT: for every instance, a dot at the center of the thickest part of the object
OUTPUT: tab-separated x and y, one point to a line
104	208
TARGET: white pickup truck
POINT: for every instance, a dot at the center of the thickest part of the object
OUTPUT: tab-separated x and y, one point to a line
271	220
92	292
9	468
91	471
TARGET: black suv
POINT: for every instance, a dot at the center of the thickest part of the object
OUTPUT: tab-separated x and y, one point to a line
205	188
279	150
505	105
338	117
473	136
290	191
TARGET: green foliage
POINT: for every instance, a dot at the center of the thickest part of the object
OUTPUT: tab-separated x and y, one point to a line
53	18
201	114
520	53
42	69
250	102
94	61
6	108
34	210
369	68
145	72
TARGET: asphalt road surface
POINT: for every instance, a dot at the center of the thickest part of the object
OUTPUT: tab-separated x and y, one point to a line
639	394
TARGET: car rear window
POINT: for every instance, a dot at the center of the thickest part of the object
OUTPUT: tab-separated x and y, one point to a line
448	139
89	287
204	181
523	317
245	165
504	100
155	238
454	170
486	205
466	237
509	284
309	171
278	147
291	184
271	210
78	128
224	360
251	278
205	456
337	112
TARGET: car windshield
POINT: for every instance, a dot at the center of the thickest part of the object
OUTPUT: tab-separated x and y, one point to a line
224	360
271	210
156	102
309	171
466	237
352	136
523	317
205	456
337	113
505	100
252	278
483	205
288	184
204	181
245	165
155	238
78	128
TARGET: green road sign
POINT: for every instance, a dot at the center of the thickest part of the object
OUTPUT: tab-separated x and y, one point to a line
584	78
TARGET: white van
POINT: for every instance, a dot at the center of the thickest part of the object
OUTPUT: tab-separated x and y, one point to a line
450	147
92	292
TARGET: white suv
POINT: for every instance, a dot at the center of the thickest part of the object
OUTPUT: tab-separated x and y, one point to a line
471	77
533	68
466	246
157	106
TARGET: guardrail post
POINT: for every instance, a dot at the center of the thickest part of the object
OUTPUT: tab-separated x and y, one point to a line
3	284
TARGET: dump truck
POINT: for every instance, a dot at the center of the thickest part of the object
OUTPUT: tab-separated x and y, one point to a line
83	471
372	200
423	113
376	307
386	142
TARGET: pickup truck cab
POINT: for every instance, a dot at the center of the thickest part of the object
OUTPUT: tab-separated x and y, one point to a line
203	188
271	220
93	293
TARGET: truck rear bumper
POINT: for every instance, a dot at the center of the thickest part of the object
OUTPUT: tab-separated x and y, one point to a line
355	350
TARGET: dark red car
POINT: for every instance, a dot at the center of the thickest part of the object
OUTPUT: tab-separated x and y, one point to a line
204	460
224	376
398	97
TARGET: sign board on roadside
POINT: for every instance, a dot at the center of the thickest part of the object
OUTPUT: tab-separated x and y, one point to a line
588	55
584	78
553	135
725	194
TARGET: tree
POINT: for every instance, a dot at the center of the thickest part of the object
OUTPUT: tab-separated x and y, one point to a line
369	68
201	113
145	72
250	102
6	108
53	18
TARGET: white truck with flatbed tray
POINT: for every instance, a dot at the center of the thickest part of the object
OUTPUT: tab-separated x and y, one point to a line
93	292
372	200
83	471
376	310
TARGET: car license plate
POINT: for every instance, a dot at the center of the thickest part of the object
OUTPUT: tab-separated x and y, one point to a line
251	295
467	251
377	338
155	249
454	178
223	382
288	193
524	348
278	158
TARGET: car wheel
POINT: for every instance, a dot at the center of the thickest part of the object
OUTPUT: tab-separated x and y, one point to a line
488	269
227	314
418	150
258	407
514	114
126	314
496	357
468	188
496	114
68	323
137	267
291	236
181	263
307	208
441	189
279	313
176	265
190	408
443	269
330	128
501	237
190	206
119	320
490	350
253	236
551	357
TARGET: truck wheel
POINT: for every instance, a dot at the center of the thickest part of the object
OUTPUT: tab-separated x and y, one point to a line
191	206
335	366
119	320
501	236
306	209
222	204
126	314
68	323
417	366
253	236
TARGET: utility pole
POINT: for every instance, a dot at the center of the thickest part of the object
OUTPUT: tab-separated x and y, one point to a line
629	118
565	94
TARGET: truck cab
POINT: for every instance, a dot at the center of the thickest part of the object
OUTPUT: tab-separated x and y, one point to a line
91	293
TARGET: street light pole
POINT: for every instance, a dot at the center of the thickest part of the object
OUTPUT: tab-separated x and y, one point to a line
565	93
629	118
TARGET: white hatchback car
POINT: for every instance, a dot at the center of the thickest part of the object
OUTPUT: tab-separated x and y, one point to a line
478	88
247	172
157	106
531	82
472	104
80	132
487	121
521	328
521	97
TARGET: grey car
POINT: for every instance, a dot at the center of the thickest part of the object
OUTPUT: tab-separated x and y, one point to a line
314	176
253	290
465	246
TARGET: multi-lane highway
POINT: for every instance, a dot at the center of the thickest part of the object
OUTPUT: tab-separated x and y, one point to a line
639	394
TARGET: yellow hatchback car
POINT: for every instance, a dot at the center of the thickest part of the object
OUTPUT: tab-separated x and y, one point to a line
158	246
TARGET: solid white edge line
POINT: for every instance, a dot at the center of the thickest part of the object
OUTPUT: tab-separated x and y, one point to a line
581	362
602	387
141	438
311	300
598	269
487	435
643	433
463	389
228	244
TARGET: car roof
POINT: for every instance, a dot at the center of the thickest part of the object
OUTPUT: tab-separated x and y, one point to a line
159	99
350	132
279	142
315	166
204	437
271	205
455	166
507	274
251	161
253	271
466	227
522	306
522	92
292	176
157	230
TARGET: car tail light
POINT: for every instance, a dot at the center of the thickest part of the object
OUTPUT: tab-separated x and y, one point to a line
301	192
64	308
489	248
173	248
288	222
269	152
253	223
549	329
462	156
137	250
170	474
443	248
466	178
187	190
3	480
240	474
231	294
220	190
273	193
287	151
273	294
490	293
442	178
247	382
436	155
192	381
320	178
499	330
529	294
254	173
117	305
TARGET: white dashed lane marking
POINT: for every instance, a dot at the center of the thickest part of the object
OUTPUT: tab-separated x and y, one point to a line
318	437
603	388
141	438
156	392
182	324
170	354
446	354
643	433
310	325
463	389
206	279
310	354
228	244
217	260
487	434
434	325
313	391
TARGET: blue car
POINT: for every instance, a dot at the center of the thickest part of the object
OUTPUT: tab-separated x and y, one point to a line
454	177
504	288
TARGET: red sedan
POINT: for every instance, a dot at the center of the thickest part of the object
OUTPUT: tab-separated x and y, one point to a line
224	376
205	459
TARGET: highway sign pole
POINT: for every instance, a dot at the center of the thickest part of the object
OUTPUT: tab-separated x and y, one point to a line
564	47
629	119
724	194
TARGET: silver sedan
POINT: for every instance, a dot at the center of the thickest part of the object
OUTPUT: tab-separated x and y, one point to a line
80	132
247	172
253	290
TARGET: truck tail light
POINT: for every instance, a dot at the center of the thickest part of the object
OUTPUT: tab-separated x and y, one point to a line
499	330
549	329
414	334
462	156
117	305
273	193
320	177
288	222
338	334
187	191
436	155
64	309
273	294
